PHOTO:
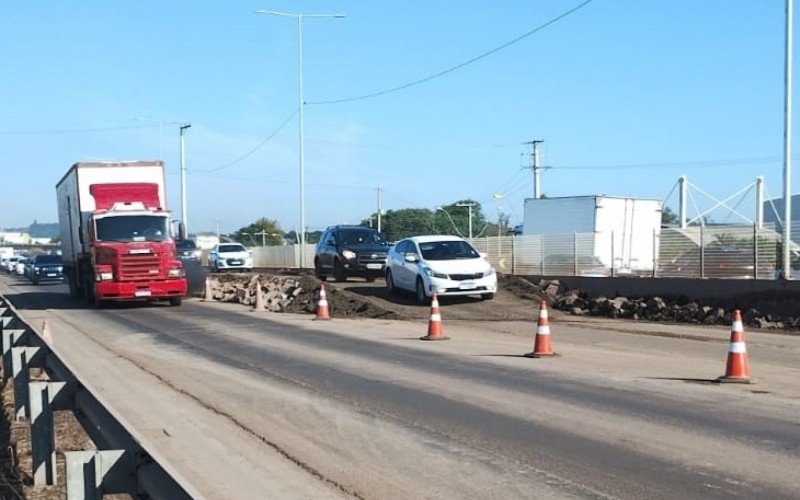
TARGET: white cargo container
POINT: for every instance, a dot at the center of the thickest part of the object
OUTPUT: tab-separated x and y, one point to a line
614	230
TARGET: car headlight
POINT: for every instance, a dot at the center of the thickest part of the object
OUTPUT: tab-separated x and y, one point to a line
348	254
36	268
198	253
176	273
489	272
434	274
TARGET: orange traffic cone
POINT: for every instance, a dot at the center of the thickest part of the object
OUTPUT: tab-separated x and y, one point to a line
322	304
542	347
46	333
435	324
738	368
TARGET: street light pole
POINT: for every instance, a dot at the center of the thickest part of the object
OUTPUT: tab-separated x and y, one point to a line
184	215
787	145
301	106
469	205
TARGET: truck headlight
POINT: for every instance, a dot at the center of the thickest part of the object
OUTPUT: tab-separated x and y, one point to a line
176	273
348	254
103	272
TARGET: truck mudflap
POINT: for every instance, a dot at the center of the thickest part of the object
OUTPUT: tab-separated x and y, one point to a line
166	289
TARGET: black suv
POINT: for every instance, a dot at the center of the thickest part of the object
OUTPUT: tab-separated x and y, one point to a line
45	267
187	250
350	251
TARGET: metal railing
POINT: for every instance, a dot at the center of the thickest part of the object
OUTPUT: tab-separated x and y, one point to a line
714	251
121	464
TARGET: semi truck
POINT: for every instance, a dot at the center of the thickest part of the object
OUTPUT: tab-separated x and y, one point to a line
115	233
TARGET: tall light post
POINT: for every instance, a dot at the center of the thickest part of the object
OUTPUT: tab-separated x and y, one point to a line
470	205
184	215
301	106
787	144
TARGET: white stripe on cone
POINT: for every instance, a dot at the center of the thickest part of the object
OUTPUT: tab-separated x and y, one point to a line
543	330
543	314
436	317
737	347
322	303
737	326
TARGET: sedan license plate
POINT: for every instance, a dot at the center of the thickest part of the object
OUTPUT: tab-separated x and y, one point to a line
143	293
467	285
51	275
374	266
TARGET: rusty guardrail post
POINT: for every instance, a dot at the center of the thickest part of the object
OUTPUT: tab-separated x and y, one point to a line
91	474
43	442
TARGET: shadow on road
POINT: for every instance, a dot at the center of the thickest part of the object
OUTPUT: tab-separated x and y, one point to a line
405	298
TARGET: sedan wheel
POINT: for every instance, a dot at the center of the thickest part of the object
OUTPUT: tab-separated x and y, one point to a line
422	299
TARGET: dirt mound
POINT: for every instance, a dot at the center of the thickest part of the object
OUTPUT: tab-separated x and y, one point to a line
295	294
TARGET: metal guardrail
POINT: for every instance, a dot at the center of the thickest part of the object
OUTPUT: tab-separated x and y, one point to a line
120	465
733	251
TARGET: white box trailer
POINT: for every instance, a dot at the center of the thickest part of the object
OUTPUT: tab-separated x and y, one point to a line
76	203
618	232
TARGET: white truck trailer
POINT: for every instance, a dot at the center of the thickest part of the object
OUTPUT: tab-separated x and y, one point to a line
621	233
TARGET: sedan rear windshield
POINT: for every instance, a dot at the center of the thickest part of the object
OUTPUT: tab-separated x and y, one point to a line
231	248
447	250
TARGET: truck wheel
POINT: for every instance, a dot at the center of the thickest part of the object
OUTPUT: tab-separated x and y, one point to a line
72	282
174	302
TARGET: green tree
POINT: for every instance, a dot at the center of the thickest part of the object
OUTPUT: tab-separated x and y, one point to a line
261	232
447	219
668	217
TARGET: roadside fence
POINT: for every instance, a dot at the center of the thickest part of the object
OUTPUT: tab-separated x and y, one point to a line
706	251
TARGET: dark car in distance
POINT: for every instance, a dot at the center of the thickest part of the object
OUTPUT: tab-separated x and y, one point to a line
45	267
187	250
345	251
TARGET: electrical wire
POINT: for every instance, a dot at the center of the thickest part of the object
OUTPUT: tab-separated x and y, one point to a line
697	164
74	130
256	148
460	65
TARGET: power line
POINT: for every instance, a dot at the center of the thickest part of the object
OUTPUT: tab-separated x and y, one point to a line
696	164
73	130
461	65
259	146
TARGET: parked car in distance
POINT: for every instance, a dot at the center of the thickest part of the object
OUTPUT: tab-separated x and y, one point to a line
441	265
230	256
345	251
187	250
45	267
11	263
19	267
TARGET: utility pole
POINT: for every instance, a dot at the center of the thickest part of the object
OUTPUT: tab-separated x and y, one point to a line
184	215
469	205
378	189
536	168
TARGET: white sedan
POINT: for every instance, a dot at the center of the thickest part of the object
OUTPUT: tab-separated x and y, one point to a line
441	265
229	256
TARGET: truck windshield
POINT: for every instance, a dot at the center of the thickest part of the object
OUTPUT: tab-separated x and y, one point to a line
132	228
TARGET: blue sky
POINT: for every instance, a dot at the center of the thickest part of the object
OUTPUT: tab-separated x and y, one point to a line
627	95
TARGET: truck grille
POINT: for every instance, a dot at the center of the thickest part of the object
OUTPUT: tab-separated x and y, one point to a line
138	267
462	277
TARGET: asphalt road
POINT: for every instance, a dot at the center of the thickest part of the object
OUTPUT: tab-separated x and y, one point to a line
361	408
